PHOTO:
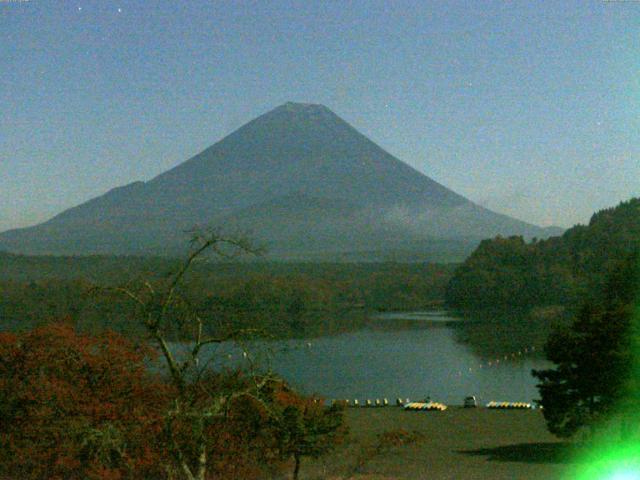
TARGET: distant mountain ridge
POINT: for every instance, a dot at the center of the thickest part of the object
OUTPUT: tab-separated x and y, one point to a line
301	178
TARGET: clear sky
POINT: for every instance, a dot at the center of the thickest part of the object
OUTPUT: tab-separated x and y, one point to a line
531	108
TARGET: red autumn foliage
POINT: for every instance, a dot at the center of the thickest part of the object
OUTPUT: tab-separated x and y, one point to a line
78	406
241	444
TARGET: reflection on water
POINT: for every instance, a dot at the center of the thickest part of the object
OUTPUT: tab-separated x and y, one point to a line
432	354
495	334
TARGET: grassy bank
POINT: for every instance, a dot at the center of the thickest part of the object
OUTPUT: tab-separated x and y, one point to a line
455	444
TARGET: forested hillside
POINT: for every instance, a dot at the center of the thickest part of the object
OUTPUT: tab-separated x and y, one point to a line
281	298
506	272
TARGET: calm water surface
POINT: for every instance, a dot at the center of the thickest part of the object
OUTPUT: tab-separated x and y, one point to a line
432	354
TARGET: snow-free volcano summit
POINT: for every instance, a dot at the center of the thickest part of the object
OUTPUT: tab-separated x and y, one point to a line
299	179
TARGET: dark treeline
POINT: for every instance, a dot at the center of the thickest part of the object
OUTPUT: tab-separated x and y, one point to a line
604	336
282	298
508	272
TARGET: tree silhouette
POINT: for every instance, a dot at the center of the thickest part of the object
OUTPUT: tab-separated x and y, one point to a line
595	358
305	427
195	407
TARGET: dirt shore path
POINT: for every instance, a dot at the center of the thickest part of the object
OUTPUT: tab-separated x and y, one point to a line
457	444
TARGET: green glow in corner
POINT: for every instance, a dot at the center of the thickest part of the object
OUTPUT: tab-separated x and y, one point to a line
621	463
609	457
622	475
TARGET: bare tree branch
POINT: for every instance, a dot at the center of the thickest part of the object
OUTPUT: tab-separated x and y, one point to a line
162	309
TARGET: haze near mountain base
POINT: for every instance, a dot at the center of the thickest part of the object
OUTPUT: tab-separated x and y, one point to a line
299	179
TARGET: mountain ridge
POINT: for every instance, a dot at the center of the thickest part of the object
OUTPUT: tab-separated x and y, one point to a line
295	149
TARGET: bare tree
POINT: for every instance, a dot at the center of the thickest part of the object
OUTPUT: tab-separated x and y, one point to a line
164	308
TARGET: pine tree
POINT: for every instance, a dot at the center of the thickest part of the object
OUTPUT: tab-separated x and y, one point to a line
595	358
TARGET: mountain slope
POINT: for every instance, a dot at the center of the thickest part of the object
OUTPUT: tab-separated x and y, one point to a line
298	168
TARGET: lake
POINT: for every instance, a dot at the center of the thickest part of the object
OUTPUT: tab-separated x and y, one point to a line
408	355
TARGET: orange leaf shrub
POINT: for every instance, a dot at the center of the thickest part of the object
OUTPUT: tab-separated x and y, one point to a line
78	406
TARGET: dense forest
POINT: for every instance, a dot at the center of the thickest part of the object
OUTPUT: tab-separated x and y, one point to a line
507	272
284	299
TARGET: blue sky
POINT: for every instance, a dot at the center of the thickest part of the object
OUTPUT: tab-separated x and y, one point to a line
529	108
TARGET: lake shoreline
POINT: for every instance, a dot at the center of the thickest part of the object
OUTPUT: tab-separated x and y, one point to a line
436	357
